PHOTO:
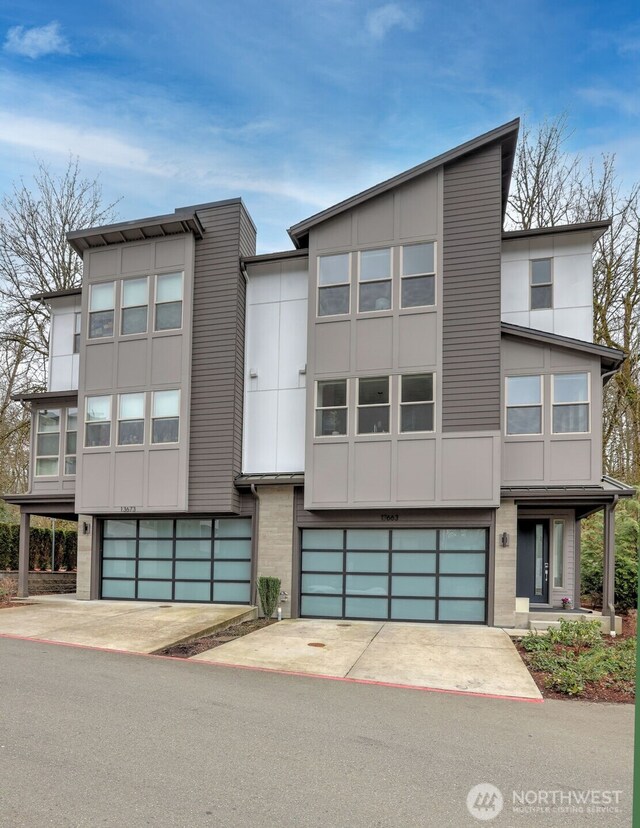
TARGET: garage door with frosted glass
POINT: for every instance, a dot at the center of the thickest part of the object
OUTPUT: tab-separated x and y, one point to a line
206	560
395	574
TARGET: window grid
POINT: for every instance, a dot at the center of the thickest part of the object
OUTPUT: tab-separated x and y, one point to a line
168	310
379	286
412	277
526	405
384	406
336	286
45	457
325	409
101	310
575	403
541	284
97	429
133	313
131	425
71	441
406	405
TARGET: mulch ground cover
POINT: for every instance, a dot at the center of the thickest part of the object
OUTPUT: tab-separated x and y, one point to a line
208	642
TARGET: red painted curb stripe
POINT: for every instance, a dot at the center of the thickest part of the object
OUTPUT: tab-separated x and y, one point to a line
275	670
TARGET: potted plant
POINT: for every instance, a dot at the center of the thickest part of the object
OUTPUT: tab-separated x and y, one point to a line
567	603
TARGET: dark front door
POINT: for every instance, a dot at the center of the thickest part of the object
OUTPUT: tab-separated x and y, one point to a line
532	572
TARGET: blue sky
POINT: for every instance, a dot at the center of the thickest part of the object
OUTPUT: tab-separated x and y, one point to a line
295	106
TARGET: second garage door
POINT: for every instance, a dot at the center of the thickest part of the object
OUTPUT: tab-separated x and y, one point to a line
395	574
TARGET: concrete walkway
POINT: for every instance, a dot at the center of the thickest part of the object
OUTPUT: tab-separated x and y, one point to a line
139	627
446	657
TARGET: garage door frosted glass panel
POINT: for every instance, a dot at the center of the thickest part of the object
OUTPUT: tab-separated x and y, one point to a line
155	569
367	607
155	590
233	528
230	592
193	549
322	583
463	539
461	587
155	549
367	539
156	528
366	585
321	605
367	562
472	611
413	562
322	561
406	609
119	549
232	549
232	570
193	528
120	528
413	539
123	568
322	539
197	570
463	562
193	591
413	585
118	589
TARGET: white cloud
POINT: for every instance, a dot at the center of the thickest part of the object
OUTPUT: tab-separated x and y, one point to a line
37	41
381	20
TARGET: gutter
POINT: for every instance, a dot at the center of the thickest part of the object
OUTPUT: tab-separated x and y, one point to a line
254	544
611	574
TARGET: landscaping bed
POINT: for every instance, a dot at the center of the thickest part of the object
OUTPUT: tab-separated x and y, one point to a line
578	662
208	642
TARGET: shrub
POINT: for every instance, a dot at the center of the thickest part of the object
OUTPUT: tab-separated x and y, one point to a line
7	590
269	592
39	547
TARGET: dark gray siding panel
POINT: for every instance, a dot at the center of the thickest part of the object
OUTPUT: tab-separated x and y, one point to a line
472	227
215	451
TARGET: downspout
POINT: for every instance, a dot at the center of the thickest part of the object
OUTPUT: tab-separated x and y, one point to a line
611	563
254	561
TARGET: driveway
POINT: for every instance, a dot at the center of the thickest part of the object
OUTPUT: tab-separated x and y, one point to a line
118	625
459	658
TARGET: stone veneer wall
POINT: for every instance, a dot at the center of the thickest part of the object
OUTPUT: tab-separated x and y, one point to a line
275	537
505	565
46	583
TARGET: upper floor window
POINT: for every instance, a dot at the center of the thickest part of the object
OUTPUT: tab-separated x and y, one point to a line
71	441
47	442
101	310
168	301
570	403
334	284
165	423
416	403
524	405
97	430
131	419
373	405
541	284
135	299
331	408
375	280
418	275
77	327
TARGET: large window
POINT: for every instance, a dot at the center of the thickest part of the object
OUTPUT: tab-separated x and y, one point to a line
418	275
558	553
416	403
331	408
168	301
135	299
165	424
541	284
375	280
47	442
524	405
570	403
131	419
71	441
373	405
101	310
334	280
97	429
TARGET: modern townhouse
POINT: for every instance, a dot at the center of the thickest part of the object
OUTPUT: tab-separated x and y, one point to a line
400	417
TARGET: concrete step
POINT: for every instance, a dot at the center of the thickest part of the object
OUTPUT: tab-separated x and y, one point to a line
543	626
574	615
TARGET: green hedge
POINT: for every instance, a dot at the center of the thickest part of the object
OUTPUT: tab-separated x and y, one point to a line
39	547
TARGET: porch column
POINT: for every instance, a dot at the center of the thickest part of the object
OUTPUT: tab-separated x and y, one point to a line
23	555
577	585
609	563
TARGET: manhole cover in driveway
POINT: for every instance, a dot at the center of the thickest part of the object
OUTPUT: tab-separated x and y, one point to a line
343	625
316	644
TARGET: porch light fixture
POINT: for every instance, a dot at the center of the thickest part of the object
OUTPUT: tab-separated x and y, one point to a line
504	539
85	528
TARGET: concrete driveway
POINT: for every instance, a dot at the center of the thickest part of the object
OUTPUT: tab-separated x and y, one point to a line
459	658
138	627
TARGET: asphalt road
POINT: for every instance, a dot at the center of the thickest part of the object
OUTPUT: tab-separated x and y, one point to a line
103	739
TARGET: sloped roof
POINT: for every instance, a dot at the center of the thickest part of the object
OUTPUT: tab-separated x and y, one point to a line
611	358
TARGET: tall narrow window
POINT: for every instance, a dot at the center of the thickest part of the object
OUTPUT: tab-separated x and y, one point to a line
131	419
77	327
169	301
70	441
418	275
541	284
135	298
165	425
101	310
334	284
558	553
375	280
97	429
331	408
524	405
373	405
570	403
416	403
47	442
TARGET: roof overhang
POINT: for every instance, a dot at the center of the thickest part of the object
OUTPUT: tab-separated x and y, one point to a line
172	224
45	505
56	294
507	135
610	358
50	397
283	255
245	481
585	499
597	228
